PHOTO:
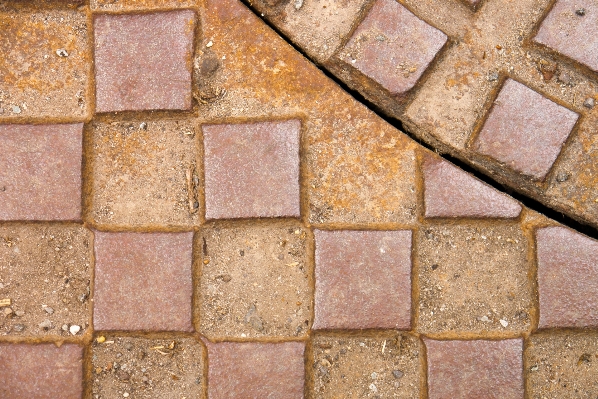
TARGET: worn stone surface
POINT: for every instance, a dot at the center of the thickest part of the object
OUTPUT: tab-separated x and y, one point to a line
143	61
147	368
252	170
143	281
452	192
473	280
144	173
562	365
255	281
475	369
349	366
140	5
40	172
567	278
41	371
256	370
45	271
363	279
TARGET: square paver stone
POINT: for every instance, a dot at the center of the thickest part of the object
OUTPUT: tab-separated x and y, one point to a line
567	278
562	365
473	280
363	279
45	274
255	281
392	46
141	5
45	64
147	368
386	366
252	169
144	61
525	130
256	370
475	369
571	28
143	281
144	174
41	371
40	172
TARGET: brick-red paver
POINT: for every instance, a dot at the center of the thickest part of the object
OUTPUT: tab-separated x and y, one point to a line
143	61
525	130
475	369
567	278
393	46
363	279
40	172
256	370
41	371
252	170
143	281
452	192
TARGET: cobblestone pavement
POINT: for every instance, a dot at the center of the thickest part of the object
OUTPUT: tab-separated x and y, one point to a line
191	209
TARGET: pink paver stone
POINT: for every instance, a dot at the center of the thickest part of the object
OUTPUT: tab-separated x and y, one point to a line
475	369
451	192
525	130
40	172
41	371
143	61
567	278
571	28
256	370
143	281
252	170
363	279
393	46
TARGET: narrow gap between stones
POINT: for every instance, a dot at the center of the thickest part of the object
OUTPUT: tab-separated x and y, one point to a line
528	202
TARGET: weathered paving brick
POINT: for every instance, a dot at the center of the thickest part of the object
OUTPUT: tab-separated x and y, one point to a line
256	370
143	61
363	279
451	192
571	28
252	170
358	367
143	281
121	5
255	281
41	371
40	173
562	365
393	46
45	271
144	174
567	278
525	130
473	280
45	64
475	369
147	368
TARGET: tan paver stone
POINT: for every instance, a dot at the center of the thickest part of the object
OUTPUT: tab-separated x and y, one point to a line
169	368
473	280
562	365
256	370
141	5
40	172
386	366
255	281
143	281
45	64
45	272
144	174
475	369
567	278
41	371
363	279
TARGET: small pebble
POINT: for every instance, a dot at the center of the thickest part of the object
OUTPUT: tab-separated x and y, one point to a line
16	109
562	177
503	323
7	311
484	318
62	52
126	394
581	12
589	103
18	327
397	373
143	126
65	327
48	309
20	313
374	375
493	76
298	4
210	44
46	324
74	329
373	388
101	339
